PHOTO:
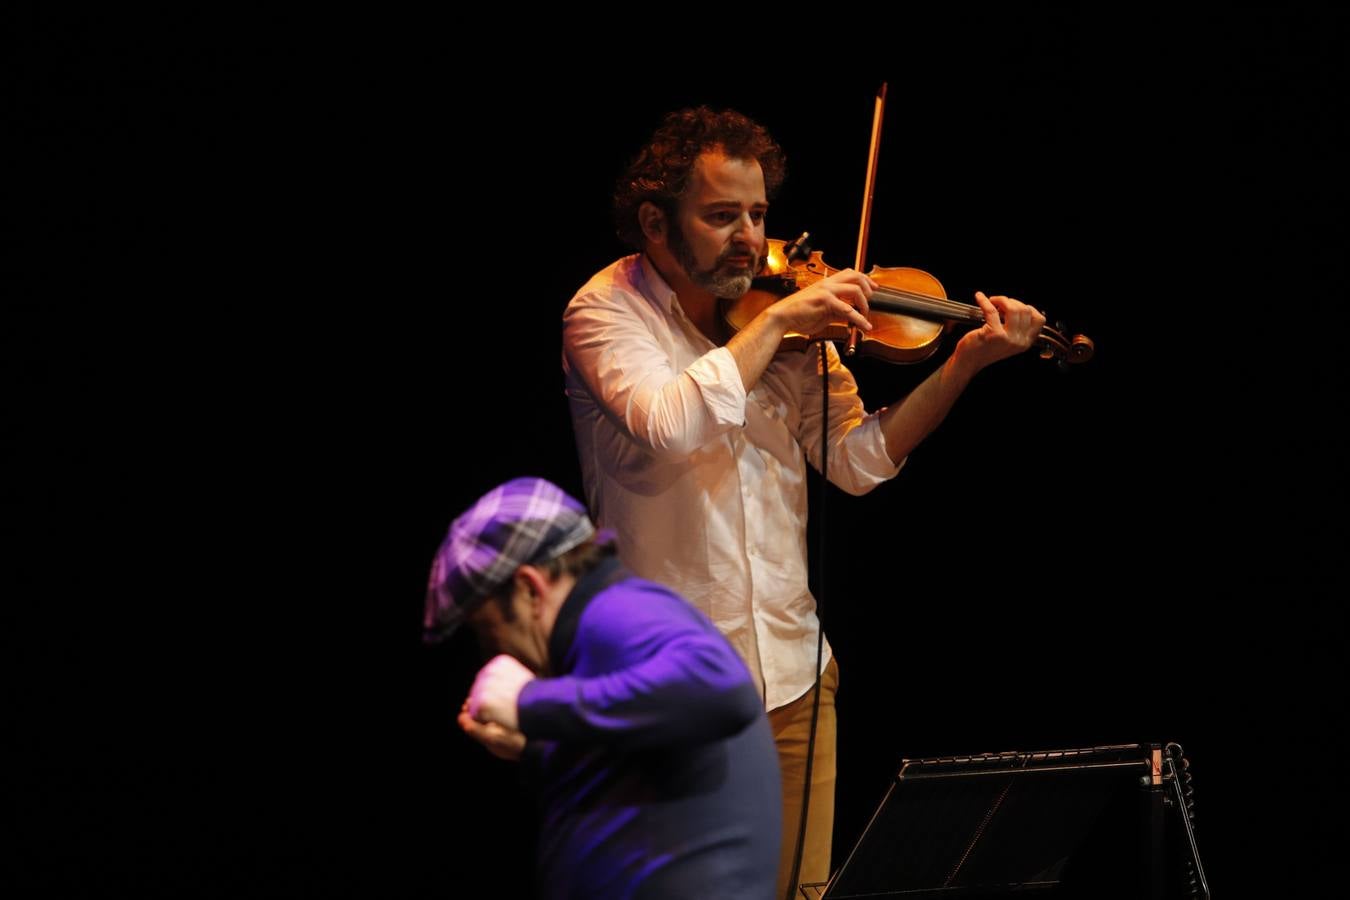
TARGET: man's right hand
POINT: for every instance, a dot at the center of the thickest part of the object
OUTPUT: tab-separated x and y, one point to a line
842	295
500	741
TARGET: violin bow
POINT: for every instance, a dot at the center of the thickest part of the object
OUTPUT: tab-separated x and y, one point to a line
869	189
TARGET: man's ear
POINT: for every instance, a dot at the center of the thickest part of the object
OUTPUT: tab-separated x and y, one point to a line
535	583
653	222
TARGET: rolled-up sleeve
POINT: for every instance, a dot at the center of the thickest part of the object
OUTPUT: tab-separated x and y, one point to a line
615	357
858	458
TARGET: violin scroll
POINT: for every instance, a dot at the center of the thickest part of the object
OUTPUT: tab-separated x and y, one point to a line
1065	351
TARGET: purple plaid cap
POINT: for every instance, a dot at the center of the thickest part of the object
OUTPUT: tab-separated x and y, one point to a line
525	521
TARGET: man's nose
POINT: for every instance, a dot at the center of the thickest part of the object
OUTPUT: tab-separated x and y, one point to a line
749	232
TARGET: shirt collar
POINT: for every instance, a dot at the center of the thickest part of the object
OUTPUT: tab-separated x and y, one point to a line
609	571
655	288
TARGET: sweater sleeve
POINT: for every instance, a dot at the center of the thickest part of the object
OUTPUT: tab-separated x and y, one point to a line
646	670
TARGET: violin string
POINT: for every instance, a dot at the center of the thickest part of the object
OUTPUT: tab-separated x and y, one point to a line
936	304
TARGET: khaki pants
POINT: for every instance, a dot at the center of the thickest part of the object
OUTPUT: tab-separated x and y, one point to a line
791	730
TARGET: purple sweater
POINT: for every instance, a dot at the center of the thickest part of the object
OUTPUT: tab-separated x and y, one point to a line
650	753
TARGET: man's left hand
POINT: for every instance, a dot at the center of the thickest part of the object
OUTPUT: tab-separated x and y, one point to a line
1010	327
496	689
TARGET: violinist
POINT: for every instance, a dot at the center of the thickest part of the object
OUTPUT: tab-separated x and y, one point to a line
693	447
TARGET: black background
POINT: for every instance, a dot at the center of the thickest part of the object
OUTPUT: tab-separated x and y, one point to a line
282	297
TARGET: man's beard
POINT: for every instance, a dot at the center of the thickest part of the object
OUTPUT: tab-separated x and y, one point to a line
721	280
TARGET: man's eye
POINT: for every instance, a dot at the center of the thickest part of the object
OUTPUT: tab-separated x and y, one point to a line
757	216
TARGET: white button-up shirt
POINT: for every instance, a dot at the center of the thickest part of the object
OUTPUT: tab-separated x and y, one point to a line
705	484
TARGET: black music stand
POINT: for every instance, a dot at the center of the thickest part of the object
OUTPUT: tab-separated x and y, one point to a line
1061	824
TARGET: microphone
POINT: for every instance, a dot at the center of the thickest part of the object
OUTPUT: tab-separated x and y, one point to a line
798	248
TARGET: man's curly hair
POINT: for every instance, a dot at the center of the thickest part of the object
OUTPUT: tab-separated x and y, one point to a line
660	172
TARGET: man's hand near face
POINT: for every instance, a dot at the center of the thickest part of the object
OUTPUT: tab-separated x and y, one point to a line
500	741
492	699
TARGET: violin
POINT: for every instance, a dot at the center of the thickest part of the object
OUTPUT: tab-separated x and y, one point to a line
909	311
